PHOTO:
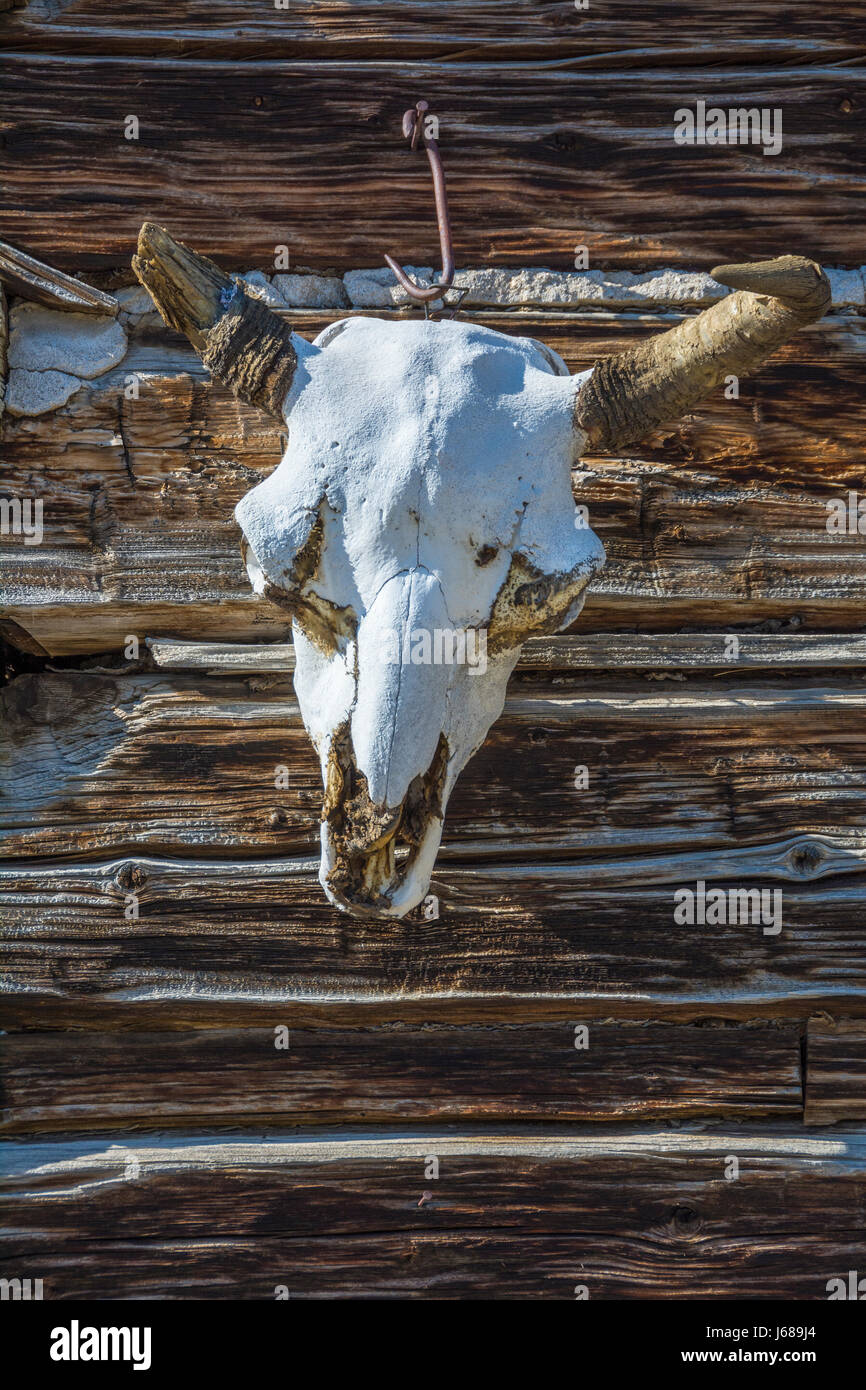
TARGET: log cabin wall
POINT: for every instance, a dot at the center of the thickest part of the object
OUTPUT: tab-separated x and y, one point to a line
216	1086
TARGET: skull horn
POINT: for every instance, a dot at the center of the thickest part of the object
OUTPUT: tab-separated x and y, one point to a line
242	342
663	378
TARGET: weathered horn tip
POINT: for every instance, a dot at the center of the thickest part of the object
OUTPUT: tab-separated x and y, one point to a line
150	236
241	341
188	289
158	246
793	279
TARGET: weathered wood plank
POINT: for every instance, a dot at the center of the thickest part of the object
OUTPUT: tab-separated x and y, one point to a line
72	1081
244	157
647	1214
237	943
33	280
585	651
650	35
836	1071
722	519
95	765
455	1265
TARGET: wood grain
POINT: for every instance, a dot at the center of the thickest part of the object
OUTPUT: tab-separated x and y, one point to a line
609	33
257	943
719	520
528	1214
182	765
586	651
249	156
564	901
30	279
836	1077
439	1266
86	1080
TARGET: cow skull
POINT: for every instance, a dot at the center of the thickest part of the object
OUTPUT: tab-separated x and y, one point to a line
421	525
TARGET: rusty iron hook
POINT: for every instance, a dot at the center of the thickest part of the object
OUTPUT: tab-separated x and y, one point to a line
413	129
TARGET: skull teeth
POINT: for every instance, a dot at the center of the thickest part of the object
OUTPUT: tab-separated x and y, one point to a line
367	840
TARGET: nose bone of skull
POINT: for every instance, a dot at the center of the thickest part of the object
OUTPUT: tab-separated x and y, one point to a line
399	705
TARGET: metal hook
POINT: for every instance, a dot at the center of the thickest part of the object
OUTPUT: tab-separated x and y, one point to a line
413	128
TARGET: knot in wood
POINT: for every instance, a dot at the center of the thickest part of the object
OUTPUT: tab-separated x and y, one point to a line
130	878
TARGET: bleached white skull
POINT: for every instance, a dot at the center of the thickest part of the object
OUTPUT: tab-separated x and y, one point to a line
421	524
419	528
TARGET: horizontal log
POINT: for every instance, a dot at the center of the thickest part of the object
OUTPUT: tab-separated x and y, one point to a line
257	943
721	520
446	1266
66	1081
836	1076
101	764
239	158
650	35
647	1214
584	651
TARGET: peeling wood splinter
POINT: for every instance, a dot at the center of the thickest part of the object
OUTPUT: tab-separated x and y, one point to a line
32	279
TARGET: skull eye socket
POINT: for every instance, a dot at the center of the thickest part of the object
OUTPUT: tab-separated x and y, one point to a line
531	602
325	624
485	554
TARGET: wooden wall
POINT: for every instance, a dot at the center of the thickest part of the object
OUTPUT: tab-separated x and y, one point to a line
157	1142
